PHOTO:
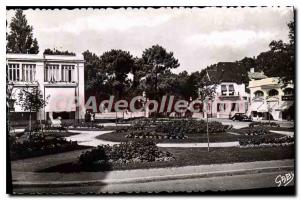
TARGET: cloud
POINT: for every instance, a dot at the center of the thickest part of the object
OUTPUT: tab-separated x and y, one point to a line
198	37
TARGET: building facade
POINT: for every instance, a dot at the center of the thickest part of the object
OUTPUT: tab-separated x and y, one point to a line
60	79
270	99
229	98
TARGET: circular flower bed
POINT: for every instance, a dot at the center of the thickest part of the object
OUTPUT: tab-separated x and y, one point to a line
129	152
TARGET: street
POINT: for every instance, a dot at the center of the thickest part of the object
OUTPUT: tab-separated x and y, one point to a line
221	183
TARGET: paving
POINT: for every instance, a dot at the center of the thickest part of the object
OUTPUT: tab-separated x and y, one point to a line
287	133
88	138
24	179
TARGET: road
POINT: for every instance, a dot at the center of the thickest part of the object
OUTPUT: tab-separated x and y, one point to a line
223	183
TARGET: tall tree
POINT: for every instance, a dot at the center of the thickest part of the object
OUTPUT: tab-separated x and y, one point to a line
117	64
95	77
157	61
20	38
279	61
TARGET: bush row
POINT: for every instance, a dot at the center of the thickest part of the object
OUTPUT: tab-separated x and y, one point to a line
267	124
266	140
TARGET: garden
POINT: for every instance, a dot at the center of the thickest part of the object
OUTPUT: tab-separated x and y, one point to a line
38	141
170	131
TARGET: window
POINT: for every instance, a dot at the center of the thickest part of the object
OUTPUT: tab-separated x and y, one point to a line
68	73
221	107
259	93
235	107
52	73
28	72
13	72
273	92
288	91
231	90
223	89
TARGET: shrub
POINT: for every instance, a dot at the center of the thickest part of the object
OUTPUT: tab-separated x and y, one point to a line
178	128
257	130
127	152
267	124
266	140
38	144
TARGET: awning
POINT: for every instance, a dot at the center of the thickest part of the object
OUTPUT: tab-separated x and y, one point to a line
285	105
60	99
259	106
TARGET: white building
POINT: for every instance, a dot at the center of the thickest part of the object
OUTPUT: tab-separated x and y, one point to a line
270	98
59	77
229	98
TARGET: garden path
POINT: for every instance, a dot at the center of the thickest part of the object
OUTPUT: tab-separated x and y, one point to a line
88	138
287	133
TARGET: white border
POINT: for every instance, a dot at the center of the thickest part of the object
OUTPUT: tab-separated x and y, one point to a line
112	3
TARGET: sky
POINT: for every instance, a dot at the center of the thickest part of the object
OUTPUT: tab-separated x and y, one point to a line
198	37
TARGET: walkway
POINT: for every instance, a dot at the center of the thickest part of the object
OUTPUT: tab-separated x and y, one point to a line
287	133
21	177
88	138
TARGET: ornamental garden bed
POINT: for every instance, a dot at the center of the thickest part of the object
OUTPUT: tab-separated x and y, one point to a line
103	158
38	144
175	130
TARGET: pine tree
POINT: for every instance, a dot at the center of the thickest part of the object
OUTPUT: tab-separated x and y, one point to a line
20	38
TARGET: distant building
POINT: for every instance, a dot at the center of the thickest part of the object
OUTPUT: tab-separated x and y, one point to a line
59	77
230	93
270	98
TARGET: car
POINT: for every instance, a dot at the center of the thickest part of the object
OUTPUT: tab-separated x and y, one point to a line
241	117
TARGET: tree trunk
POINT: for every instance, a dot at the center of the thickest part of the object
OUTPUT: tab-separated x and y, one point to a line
30	125
207	131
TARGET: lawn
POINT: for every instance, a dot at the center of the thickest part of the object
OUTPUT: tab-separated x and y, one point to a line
197	156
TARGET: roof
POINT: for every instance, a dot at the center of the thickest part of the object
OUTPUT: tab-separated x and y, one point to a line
41	57
227	72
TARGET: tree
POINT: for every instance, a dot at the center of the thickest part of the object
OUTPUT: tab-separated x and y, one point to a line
58	52
31	99
207	90
95	77
20	38
157	61
279	61
117	64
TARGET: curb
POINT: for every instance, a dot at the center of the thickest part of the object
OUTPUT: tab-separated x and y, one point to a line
52	184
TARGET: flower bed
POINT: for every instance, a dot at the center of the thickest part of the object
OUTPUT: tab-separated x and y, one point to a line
257	130
180	128
38	145
266	141
152	135
266	124
135	151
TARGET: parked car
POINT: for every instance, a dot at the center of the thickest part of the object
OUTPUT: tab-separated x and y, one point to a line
241	117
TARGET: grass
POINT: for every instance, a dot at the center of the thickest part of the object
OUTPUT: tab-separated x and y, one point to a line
196	156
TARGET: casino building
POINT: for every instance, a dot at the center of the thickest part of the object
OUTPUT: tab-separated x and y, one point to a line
60	79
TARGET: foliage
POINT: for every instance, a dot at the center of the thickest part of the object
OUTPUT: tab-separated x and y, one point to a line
261	140
117	64
20	38
257	130
266	124
31	99
58	52
178	128
39	145
128	152
157	62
